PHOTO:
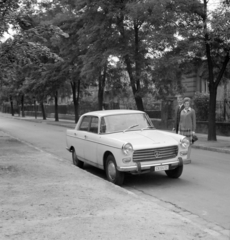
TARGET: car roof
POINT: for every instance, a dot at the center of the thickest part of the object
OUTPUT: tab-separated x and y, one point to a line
112	112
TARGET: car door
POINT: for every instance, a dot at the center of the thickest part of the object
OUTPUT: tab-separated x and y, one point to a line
92	138
80	137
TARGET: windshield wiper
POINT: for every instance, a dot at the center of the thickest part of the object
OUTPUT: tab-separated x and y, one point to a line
133	126
148	128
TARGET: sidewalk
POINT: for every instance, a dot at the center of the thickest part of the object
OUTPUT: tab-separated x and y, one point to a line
221	145
43	197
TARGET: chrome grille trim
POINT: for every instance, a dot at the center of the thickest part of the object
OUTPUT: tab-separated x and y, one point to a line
155	154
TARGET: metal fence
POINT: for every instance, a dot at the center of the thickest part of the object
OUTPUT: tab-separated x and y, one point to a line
222	110
153	109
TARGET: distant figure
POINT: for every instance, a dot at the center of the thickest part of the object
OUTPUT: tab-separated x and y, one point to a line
179	108
187	124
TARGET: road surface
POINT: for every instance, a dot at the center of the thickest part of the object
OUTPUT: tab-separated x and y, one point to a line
202	190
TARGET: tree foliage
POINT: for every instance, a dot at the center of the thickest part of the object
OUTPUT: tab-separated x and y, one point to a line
7	14
201	103
153	42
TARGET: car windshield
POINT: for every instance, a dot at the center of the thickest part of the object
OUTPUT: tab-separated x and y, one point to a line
125	122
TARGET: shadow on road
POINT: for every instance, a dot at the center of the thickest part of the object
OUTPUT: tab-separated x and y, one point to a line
153	180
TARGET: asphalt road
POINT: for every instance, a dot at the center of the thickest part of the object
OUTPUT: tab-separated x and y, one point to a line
202	190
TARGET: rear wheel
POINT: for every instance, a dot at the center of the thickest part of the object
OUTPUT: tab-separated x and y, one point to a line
112	174
76	161
175	173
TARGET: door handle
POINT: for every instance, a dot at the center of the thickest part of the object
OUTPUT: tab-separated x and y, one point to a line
75	134
85	136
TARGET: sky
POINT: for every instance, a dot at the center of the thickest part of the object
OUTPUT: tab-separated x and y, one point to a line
212	4
7	35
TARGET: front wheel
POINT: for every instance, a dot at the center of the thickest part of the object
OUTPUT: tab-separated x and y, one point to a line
175	173
76	161
112	174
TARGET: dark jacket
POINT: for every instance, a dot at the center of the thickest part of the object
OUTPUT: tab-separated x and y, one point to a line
177	117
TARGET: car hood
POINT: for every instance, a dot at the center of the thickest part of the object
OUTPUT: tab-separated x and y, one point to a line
145	138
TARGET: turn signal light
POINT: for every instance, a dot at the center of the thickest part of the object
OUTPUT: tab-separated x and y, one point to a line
126	160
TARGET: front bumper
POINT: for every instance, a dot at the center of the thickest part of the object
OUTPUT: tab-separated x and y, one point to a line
143	167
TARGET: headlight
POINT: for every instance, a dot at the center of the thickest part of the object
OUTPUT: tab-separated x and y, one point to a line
127	148
184	142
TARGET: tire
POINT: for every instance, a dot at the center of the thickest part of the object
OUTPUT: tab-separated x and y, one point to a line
76	161
112	174
175	173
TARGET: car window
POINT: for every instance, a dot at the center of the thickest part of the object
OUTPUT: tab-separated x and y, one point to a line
94	125
121	122
84	126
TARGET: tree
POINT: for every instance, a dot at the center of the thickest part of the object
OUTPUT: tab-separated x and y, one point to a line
72	53
217	52
133	31
27	58
9	87
64	15
70	69
205	36
36	49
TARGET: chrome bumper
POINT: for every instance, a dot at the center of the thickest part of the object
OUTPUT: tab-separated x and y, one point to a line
139	166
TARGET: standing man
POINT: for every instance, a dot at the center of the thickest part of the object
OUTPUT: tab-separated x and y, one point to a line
179	108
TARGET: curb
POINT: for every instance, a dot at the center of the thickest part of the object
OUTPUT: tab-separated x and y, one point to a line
213	149
60	124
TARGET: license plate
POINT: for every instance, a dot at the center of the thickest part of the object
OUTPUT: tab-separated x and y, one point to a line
162	168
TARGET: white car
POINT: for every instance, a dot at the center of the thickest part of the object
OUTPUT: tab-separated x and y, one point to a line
120	141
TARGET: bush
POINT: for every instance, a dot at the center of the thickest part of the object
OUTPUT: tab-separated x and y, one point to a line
201	105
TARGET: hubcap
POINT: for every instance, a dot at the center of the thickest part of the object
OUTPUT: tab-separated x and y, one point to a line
112	170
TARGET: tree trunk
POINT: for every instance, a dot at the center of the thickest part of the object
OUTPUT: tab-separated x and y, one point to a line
135	82
18	107
35	109
11	106
76	98
22	105
56	107
139	103
212	113
43	110
225	101
102	79
100	96
77	101
138	99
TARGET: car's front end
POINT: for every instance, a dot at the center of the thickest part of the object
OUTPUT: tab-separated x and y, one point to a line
151	150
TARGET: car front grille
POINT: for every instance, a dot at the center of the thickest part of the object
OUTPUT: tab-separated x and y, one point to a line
155	154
